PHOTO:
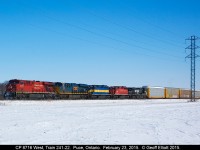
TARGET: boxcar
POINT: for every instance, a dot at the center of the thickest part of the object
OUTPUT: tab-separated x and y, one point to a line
171	92
155	92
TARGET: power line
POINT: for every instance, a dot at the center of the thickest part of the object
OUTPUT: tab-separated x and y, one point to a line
131	29
96	43
101	35
158	27
192	57
120	35
108	37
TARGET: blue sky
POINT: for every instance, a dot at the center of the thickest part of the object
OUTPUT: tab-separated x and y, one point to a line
112	42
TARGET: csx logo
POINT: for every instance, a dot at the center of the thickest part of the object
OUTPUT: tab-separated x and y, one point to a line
75	88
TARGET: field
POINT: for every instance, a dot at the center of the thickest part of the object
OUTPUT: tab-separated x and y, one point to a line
100	122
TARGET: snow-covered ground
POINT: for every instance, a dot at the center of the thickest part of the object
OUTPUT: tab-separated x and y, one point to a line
100	122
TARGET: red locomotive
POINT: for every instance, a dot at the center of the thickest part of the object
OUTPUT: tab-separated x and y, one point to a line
23	89
118	91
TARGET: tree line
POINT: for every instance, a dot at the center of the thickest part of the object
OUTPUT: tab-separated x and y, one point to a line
2	89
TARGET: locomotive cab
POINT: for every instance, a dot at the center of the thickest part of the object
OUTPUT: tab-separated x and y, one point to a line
137	93
11	89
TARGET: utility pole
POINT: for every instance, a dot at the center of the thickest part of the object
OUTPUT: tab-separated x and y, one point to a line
192	57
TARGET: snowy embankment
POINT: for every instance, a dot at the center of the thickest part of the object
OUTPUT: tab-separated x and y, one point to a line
100	122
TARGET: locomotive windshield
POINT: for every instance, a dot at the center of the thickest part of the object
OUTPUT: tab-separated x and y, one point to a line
58	84
14	81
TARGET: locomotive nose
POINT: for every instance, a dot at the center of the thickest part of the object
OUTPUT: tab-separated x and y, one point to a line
10	87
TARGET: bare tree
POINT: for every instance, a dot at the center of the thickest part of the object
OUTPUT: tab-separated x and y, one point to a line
2	89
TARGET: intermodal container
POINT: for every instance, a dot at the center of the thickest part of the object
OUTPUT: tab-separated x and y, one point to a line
155	92
171	92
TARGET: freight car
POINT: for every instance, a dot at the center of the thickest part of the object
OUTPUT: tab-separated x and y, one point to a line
25	89
154	92
185	93
197	94
172	93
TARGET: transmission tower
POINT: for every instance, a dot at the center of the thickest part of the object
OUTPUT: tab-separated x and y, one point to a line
192	57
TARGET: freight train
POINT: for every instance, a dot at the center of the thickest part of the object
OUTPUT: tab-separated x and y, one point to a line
26	89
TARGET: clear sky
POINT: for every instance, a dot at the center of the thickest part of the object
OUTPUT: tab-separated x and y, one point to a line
112	42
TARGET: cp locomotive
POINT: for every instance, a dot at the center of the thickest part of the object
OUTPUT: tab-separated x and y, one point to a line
25	89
